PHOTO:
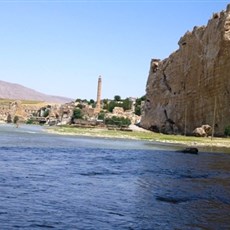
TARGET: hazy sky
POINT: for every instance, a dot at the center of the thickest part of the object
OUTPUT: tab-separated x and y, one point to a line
61	47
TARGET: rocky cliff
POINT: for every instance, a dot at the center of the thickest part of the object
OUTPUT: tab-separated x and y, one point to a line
192	86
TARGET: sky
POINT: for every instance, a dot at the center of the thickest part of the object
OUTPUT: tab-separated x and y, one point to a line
62	47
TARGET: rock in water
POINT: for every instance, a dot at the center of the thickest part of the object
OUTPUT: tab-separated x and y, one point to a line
191	150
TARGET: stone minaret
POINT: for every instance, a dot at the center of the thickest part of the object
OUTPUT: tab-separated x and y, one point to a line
98	105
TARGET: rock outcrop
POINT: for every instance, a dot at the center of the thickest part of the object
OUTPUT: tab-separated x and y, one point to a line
192	86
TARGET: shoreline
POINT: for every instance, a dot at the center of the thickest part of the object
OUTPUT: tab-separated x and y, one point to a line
216	144
144	135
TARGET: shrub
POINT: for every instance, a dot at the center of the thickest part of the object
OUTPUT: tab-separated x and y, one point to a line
111	106
227	131
117	98
127	104
30	121
77	114
101	116
46	113
80	106
138	110
16	119
91	102
9	118
118	121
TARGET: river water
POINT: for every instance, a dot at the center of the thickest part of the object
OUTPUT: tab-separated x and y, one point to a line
51	181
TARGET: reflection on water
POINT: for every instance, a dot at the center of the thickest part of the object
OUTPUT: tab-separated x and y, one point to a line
53	181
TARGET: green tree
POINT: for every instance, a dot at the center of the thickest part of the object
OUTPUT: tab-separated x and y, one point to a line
117	98
227	131
16	119
9	118
139	100
77	114
101	116
85	101
46	113
111	106
138	110
30	121
138	105
106	104
91	101
127	104
80	106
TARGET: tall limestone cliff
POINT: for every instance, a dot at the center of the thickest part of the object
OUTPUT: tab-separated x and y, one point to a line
192	86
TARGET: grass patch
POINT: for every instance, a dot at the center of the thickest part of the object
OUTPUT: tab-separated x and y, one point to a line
5	101
149	136
28	102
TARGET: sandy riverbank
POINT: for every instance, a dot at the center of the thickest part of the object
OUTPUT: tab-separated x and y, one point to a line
142	134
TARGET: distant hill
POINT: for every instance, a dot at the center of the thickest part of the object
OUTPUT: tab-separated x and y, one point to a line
16	91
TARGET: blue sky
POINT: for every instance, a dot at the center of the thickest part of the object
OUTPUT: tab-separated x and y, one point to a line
61	47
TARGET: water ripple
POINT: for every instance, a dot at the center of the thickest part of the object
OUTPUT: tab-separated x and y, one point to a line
51	181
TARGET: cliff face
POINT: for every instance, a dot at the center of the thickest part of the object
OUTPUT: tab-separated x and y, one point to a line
192	86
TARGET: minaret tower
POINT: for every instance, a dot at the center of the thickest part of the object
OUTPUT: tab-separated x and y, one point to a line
98	105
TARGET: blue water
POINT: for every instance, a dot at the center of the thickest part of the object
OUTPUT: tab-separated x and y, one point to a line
65	182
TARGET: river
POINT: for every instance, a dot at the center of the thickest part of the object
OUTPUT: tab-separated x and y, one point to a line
52	181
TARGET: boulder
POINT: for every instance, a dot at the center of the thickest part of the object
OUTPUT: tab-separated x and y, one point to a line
207	129
203	131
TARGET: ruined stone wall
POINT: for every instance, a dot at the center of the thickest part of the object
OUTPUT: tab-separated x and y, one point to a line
18	108
185	89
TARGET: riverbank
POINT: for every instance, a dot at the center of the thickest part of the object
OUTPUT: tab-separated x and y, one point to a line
141	134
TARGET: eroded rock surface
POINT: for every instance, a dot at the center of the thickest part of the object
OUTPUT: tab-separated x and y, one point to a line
192	86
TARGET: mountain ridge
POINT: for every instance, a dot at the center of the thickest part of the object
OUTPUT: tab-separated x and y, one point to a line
17	91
